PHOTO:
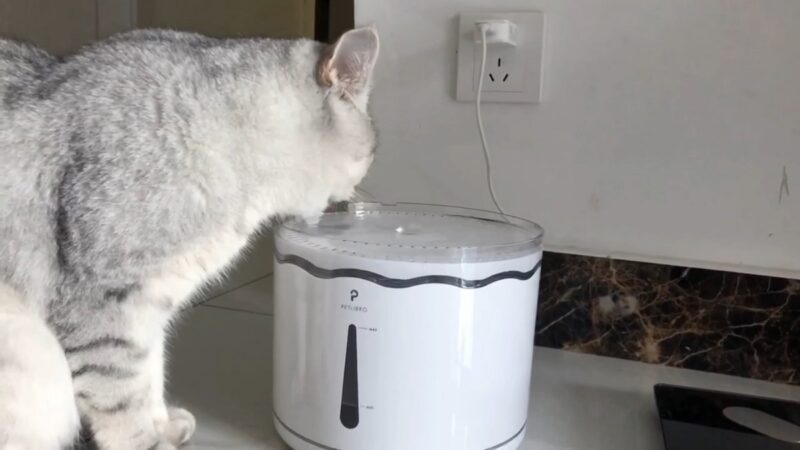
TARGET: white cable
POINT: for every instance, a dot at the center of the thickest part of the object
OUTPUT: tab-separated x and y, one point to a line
486	154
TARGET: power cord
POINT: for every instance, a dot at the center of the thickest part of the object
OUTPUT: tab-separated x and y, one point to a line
482	28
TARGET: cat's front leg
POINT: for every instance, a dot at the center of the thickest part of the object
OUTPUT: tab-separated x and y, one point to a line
179	424
118	377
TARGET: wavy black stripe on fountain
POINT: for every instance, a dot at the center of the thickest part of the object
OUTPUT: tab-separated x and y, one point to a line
397	283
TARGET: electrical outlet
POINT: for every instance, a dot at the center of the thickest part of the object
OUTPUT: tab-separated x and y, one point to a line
502	73
513	73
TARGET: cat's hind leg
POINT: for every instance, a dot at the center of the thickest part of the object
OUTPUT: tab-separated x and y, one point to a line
37	406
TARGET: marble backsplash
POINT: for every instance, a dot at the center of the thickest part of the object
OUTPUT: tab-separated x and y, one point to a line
731	323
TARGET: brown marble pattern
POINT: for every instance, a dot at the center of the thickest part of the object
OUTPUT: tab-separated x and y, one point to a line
737	324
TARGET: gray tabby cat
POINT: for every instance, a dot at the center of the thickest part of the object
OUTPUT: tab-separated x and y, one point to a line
132	173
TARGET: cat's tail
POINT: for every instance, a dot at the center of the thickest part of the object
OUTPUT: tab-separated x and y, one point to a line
37	405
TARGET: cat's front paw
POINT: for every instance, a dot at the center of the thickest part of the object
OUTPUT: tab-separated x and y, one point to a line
179	427
164	446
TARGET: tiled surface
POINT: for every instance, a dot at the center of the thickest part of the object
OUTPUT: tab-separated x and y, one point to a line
724	322
220	369
255	296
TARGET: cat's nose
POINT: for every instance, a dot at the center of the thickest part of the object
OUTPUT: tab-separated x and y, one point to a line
335	206
341	196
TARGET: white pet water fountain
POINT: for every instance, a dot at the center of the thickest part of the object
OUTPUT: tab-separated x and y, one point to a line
405	327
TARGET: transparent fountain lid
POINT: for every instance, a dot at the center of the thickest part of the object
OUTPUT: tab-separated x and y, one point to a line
416	232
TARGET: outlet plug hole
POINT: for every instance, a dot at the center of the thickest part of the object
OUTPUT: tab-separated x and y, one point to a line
491	77
505	78
498	62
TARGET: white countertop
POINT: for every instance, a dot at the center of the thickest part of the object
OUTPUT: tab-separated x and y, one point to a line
220	370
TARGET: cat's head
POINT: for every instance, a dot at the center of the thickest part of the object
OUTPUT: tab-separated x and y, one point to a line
344	75
320	130
330	124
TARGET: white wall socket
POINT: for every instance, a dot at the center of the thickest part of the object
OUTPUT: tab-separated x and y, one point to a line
513	73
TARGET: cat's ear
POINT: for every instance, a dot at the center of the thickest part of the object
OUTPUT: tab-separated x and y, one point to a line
347	65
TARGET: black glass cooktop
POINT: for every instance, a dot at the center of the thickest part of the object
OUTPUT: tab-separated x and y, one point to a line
697	419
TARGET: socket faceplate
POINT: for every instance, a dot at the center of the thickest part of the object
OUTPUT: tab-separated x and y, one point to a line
523	63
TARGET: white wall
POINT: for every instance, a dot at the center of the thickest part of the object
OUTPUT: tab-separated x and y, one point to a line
662	136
